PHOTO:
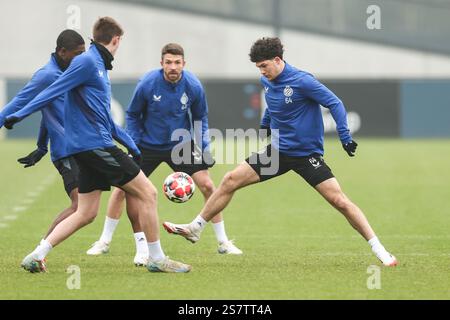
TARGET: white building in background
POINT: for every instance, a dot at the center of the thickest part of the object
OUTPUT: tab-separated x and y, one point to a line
215	48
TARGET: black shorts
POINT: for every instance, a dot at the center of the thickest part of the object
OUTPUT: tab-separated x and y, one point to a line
68	169
188	163
312	168
102	168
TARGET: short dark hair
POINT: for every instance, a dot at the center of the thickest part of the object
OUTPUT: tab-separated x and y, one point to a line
69	39
105	28
172	48
266	49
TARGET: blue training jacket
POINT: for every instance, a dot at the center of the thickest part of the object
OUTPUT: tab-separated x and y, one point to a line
293	107
87	112
52	122
159	107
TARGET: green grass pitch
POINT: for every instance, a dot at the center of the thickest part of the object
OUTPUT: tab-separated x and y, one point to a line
295	245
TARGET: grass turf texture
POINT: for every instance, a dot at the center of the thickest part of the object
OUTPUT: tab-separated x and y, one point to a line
296	246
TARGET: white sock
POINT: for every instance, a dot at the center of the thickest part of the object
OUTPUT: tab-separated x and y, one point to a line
42	241
199	223
141	244
155	251
379	249
108	229
219	230
375	244
43	249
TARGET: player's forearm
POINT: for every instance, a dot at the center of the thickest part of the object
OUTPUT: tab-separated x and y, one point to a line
124	139
201	132
339	115
43	138
265	121
134	127
40	101
9	109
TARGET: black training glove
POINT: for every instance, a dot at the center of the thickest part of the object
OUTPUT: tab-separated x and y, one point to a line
10	122
261	132
32	158
350	147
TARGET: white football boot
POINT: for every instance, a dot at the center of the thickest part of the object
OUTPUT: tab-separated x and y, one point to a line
228	247
184	230
387	259
98	248
140	260
32	264
168	266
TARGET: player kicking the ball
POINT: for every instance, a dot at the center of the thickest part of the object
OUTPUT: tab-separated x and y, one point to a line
293	114
90	131
166	100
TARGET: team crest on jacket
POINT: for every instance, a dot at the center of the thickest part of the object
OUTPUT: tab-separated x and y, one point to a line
288	92
184	100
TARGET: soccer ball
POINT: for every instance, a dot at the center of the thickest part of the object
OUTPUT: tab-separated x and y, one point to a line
179	187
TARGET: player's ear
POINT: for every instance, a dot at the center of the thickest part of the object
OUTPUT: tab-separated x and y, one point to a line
115	40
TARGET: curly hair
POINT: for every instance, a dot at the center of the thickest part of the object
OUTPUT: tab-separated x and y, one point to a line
265	49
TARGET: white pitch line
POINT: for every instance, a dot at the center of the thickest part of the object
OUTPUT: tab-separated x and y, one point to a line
48	181
33	194
26	202
39	189
412	254
10	218
350	237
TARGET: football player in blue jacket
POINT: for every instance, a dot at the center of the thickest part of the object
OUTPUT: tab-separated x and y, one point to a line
69	44
294	117
166	101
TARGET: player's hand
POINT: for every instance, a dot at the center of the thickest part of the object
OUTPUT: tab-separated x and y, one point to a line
264	132
208	158
10	122
32	158
350	147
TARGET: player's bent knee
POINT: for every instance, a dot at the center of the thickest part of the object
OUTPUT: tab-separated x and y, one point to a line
153	193
89	217
229	182
341	202
207	188
74	205
119	194
149	193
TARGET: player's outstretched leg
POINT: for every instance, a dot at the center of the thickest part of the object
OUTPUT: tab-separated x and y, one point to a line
332	192
243	175
66	212
142	205
88	204
114	212
206	186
